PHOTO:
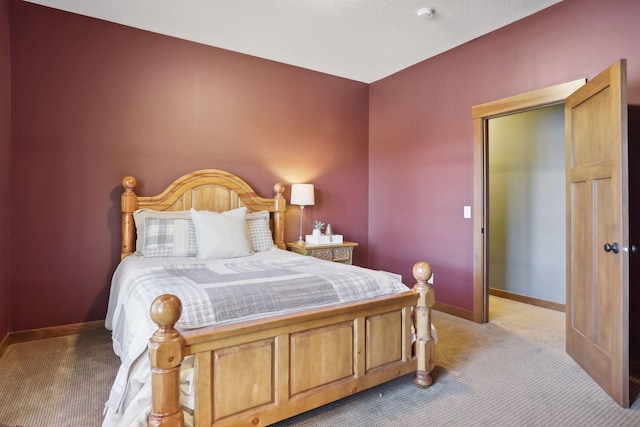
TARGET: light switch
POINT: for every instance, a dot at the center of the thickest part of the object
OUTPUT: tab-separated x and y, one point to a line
467	211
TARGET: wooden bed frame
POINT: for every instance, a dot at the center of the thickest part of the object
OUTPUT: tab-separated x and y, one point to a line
256	373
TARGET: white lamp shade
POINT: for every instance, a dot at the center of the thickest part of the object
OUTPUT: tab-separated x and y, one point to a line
302	194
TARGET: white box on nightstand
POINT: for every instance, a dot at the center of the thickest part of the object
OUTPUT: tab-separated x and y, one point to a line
323	239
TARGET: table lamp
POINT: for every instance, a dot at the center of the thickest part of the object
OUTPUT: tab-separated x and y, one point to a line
302	195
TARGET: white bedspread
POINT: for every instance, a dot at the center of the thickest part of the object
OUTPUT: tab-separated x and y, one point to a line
268	284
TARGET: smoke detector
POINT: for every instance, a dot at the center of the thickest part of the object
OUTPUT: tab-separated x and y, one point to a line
426	13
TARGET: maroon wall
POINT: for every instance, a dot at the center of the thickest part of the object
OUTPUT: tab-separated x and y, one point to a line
5	165
421	135
95	101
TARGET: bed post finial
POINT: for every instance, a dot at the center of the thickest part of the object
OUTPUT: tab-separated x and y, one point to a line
166	355
128	204
278	216
425	344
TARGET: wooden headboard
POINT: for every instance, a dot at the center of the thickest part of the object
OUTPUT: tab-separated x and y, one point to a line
207	189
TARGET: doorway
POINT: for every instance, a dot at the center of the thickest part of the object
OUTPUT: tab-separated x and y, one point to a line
481	114
526	250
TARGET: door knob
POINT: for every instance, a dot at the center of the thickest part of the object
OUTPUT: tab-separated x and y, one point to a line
631	249
612	247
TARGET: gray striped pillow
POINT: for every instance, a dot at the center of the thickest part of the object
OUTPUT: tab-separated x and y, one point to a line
259	231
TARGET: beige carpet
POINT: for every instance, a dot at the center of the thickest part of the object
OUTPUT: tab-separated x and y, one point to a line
58	381
511	372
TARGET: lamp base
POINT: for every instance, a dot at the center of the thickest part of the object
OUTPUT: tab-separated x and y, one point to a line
300	238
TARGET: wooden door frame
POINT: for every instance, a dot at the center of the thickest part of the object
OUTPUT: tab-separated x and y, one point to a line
480	115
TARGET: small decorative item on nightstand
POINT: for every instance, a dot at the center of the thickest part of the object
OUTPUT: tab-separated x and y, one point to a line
317	228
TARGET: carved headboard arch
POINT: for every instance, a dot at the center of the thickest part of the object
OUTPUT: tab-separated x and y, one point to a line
206	189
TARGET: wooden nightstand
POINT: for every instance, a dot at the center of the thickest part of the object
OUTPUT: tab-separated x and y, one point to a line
337	252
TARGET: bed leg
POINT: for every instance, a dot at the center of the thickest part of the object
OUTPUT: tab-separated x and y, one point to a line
166	354
425	345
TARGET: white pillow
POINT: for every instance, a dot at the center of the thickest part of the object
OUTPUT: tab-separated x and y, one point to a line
221	235
183	237
259	232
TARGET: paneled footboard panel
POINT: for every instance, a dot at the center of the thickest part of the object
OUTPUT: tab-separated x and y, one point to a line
250	368
321	356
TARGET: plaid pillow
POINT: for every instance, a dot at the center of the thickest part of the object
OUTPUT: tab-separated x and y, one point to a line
259	231
169	237
139	217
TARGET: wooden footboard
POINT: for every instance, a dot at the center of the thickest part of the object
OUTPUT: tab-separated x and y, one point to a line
259	372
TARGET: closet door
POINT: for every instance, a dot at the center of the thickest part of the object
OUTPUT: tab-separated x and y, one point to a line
598	230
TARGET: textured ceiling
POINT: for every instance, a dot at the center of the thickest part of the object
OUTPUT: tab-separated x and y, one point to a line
363	40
